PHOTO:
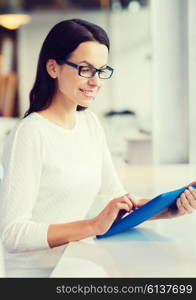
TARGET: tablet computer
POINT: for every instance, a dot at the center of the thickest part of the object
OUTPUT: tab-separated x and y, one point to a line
146	211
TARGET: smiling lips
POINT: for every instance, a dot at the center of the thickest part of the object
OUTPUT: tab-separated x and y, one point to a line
88	93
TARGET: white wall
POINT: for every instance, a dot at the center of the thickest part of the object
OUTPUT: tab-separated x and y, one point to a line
192	75
131	52
170	81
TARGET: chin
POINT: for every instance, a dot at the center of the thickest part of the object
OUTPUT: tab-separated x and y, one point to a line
86	104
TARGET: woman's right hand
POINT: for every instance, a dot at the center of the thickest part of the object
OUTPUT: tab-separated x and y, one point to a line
115	208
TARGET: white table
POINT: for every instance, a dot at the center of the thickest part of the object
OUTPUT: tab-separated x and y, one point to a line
158	248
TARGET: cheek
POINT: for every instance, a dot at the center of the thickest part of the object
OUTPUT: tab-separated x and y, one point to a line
100	85
67	82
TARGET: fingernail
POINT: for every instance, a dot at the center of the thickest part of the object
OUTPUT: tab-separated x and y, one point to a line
190	188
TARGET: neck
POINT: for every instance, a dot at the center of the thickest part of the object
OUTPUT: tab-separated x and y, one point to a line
61	112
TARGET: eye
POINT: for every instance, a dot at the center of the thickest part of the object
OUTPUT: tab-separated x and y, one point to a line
86	69
102	71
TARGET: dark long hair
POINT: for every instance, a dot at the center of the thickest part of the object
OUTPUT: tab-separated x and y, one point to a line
62	39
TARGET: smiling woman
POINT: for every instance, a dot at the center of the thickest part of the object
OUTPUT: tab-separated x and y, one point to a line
58	152
56	162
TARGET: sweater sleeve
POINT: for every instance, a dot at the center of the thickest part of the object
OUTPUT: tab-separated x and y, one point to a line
22	166
111	186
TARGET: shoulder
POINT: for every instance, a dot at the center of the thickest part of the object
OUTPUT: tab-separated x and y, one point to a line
24	141
27	128
92	119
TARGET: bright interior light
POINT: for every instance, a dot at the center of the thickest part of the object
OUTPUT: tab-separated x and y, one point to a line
134	6
14	21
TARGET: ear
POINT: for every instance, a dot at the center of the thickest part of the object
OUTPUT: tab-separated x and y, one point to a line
51	67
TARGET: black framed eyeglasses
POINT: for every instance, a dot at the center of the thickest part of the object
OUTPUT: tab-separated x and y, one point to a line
89	71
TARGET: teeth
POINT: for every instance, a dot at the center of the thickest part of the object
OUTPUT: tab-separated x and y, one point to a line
87	93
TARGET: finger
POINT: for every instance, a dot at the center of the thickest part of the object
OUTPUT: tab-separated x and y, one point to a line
124	206
193	199
133	200
124	199
190	195
185	203
127	200
181	209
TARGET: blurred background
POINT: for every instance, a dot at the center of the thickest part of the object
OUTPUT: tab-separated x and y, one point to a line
148	107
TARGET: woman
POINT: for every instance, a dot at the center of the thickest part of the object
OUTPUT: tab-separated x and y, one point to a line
56	161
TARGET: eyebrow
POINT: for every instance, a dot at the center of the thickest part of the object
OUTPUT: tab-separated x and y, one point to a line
86	62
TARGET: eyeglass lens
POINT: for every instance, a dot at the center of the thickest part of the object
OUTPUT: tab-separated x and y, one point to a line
90	72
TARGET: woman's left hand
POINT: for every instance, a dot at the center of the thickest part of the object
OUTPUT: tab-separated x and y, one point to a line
186	203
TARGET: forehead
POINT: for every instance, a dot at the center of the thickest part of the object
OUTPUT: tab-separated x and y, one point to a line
93	52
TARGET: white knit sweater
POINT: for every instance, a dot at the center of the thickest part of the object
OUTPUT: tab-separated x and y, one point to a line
51	175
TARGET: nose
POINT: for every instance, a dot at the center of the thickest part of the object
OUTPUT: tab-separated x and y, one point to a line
95	80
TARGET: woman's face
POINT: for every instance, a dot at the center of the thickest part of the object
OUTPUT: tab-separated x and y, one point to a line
73	88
